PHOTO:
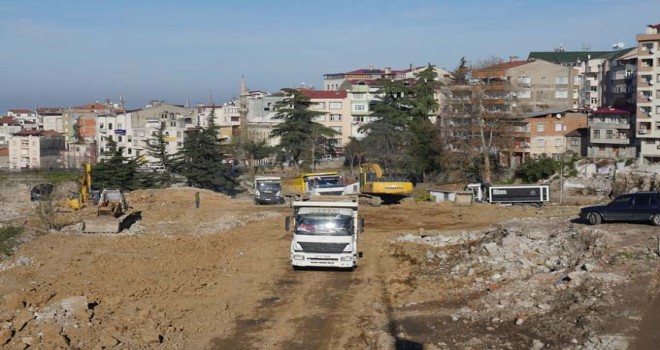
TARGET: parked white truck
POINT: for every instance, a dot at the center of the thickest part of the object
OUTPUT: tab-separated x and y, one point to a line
511	194
325	232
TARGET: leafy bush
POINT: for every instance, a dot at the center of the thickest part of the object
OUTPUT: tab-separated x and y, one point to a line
8	238
537	168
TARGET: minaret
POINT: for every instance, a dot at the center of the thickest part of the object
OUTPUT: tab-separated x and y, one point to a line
243	111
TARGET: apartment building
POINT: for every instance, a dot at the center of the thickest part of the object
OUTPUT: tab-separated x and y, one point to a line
134	128
50	118
342	81
611	134
648	93
23	115
336	111
8	126
36	149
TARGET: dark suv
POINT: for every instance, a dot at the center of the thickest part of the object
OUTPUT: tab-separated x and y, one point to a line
629	207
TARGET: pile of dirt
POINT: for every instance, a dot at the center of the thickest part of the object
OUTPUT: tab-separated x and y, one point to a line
526	283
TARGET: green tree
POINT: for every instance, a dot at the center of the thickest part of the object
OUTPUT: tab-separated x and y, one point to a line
200	160
537	169
119	171
298	132
256	149
388	133
157	148
424	150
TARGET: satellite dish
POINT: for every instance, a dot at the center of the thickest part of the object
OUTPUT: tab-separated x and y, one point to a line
558	116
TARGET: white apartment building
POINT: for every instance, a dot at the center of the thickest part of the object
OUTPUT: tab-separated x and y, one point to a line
648	93
8	126
35	149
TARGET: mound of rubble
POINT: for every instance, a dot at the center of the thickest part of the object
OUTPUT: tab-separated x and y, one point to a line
543	280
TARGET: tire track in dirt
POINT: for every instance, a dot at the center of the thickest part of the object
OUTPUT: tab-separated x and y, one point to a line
301	313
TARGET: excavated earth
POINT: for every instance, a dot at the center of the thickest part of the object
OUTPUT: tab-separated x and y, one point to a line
433	276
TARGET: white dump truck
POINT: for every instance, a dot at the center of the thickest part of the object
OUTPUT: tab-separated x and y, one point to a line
325	232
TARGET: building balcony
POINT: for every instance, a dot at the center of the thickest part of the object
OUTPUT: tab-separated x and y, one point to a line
648	37
609	126
643	68
644	99
611	141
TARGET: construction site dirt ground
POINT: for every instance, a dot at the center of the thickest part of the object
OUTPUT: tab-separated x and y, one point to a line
433	276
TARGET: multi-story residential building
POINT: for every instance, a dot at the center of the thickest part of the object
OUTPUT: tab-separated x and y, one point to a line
8	126
537	84
342	81
589	73
620	85
261	115
23	115
648	93
84	118
548	131
50	118
337	113
134	128
35	149
611	134
577	142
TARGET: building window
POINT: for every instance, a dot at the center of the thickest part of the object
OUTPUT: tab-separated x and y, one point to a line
335	105
561	94
359	96
109	126
336	128
575	142
359	108
525	80
129	151
319	105
596	134
561	80
319	118
540	127
558	142
609	134
120	138
100	125
524	94
558	127
335	117
540	143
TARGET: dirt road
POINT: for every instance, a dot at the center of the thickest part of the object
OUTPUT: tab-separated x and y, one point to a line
219	277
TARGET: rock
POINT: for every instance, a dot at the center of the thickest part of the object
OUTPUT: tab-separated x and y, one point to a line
14	301
22	319
588	267
496	277
430	255
520	319
543	306
52	337
492	249
454	318
537	345
77	307
106	341
27	340
5	336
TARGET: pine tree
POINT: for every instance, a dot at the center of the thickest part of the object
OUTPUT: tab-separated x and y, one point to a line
118	171
157	148
200	160
299	134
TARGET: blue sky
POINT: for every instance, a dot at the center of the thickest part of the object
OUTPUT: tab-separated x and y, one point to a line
67	53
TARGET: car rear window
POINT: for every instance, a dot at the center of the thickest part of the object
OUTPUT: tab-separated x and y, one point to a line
642	200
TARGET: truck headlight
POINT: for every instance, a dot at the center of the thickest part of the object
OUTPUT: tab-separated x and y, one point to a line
256	193
278	194
298	257
348	248
346	258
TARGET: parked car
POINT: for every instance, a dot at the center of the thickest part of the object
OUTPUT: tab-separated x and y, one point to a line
629	207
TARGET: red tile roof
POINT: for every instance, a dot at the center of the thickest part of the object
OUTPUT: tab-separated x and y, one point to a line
316	94
20	111
605	110
49	110
656	26
9	121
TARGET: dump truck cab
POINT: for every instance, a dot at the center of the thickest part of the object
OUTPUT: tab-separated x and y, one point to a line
268	190
325	232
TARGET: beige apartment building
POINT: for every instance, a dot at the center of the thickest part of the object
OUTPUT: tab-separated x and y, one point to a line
35	149
648	93
336	113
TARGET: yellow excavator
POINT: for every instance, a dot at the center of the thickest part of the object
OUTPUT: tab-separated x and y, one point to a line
380	188
78	200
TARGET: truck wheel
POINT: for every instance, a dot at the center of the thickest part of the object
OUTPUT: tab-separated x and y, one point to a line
594	219
655	219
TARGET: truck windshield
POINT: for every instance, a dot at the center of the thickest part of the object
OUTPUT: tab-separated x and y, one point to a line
268	186
326	222
327	182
